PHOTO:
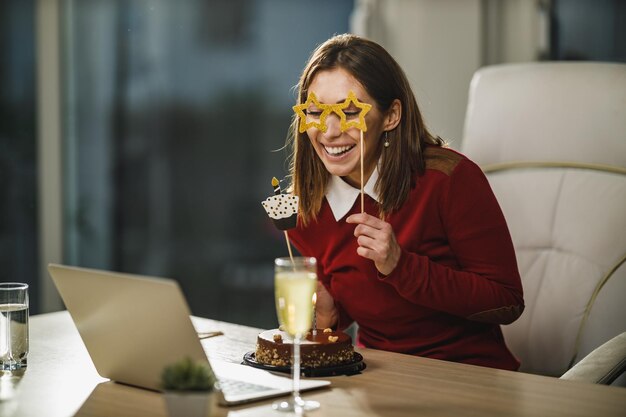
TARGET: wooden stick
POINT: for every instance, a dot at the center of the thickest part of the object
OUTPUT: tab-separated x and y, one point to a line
289	249
362	185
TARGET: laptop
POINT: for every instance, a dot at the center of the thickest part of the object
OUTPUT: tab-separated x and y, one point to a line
133	326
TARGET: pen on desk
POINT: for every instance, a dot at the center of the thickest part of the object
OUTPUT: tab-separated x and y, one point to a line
206	335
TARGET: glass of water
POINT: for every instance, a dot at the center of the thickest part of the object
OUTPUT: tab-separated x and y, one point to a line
13	325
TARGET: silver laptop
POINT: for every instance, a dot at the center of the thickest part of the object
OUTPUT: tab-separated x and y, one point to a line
134	326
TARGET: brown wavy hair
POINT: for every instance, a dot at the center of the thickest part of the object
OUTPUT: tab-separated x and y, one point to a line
384	80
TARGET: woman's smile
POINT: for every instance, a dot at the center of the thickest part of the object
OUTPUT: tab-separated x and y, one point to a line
338	151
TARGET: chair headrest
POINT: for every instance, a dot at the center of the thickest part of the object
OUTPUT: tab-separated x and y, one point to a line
565	111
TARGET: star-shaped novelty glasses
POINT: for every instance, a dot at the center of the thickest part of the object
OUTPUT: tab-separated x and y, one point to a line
327	109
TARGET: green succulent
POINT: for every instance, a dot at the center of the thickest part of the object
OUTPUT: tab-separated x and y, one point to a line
187	375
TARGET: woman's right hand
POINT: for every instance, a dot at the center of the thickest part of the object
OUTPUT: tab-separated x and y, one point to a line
326	312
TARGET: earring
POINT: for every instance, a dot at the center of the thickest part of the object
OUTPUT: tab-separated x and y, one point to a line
386	144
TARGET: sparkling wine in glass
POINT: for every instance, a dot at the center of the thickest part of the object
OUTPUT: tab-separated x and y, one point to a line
295	282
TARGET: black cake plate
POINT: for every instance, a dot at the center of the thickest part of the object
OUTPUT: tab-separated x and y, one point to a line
351	368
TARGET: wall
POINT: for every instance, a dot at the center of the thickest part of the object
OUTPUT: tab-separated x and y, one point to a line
441	43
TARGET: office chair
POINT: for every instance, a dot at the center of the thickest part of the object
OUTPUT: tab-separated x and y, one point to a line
551	138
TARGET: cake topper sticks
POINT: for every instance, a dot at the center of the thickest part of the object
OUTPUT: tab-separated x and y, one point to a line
319	121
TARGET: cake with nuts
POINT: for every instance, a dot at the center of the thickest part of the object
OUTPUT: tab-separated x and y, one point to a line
322	349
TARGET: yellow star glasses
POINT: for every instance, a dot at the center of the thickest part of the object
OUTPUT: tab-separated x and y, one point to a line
321	111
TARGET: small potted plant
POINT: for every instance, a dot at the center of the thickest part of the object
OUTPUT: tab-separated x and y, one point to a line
188	388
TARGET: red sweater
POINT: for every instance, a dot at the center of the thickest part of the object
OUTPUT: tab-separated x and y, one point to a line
456	280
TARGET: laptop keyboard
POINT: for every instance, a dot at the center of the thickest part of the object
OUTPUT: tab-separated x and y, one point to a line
234	387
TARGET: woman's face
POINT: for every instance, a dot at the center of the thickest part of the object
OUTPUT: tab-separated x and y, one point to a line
340	151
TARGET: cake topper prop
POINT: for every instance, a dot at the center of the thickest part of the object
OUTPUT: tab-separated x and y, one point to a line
283	210
313	114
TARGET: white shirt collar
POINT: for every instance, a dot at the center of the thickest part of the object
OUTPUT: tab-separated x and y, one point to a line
341	195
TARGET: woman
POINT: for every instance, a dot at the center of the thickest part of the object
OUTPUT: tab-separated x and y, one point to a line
429	268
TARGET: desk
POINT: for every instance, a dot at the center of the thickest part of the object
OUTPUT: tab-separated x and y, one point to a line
61	381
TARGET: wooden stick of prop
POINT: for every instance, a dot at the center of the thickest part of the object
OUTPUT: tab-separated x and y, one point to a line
362	185
289	249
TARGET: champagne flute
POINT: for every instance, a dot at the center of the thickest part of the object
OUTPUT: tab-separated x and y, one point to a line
295	282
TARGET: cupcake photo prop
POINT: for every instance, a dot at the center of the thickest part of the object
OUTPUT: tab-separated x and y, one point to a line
283	210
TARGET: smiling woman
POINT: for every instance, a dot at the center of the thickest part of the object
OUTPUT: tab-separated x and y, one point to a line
426	265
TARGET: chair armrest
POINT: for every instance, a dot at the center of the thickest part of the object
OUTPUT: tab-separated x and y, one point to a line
603	365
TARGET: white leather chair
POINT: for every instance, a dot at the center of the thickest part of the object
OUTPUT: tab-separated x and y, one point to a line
551	138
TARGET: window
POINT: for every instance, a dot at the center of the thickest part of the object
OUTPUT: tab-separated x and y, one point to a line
174	114
18	148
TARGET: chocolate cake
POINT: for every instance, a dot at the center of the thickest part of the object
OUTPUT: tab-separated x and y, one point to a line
325	348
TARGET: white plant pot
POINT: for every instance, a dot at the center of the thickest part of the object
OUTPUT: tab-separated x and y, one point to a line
189	403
